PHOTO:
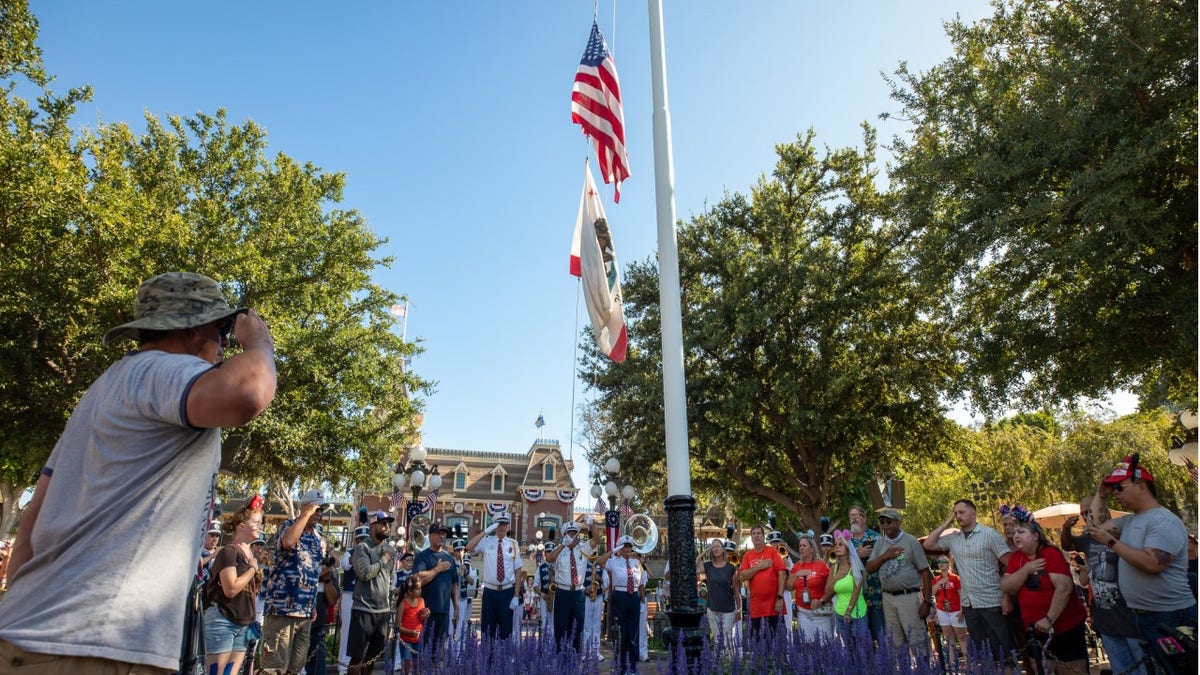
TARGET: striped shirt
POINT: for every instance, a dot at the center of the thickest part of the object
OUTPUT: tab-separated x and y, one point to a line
976	557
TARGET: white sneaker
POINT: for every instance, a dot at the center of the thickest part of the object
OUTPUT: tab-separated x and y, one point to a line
600	657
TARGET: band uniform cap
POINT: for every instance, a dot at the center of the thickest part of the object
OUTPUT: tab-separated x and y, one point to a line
362	532
501	517
174	301
893	514
1122	472
313	497
215	528
571	526
406	555
260	540
381	517
826	539
730	547
460	545
774	537
624	541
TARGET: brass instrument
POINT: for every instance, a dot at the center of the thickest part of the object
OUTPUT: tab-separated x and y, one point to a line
734	559
644	532
593	589
782	548
550	597
420	533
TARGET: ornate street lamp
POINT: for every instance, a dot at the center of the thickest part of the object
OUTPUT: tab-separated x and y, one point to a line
416	478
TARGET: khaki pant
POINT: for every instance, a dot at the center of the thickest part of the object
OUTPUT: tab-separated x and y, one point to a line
13	659
906	628
285	644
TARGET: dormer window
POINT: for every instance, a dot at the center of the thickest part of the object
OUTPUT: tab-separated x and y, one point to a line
548	472
460	481
498	474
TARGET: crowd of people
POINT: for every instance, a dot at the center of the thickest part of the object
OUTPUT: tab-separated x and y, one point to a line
1012	598
139	457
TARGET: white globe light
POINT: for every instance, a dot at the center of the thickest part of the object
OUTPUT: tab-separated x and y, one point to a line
612	466
398	481
628	492
401	531
538	535
418	478
597	491
435	482
418	454
610	488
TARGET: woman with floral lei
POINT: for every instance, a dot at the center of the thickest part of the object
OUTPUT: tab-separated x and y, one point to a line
1039	577
844	585
232	588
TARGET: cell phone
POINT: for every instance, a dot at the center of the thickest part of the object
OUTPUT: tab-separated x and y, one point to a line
1169	645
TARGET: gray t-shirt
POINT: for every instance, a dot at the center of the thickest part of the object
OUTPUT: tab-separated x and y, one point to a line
117	540
720	587
903	572
373	582
1110	614
1157	528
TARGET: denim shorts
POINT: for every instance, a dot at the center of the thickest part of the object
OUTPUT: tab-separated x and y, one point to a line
222	635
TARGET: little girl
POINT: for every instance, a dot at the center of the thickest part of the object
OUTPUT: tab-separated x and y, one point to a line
410	617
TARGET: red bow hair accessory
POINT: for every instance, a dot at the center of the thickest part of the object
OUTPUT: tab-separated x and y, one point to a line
256	502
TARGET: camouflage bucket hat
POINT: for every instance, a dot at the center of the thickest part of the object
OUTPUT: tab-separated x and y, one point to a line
173	301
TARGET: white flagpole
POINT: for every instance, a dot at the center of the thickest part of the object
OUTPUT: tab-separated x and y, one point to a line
679	479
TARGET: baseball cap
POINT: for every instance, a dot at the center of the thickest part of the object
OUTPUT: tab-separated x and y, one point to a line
381	517
892	514
173	301
313	497
1122	472
438	527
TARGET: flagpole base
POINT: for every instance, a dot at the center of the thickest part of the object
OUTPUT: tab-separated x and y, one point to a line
684	612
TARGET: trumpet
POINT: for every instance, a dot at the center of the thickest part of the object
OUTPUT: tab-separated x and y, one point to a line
734	559
782	548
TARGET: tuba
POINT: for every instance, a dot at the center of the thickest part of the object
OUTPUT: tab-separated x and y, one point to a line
641	528
420	533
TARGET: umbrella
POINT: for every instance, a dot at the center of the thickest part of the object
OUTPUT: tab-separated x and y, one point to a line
1053	516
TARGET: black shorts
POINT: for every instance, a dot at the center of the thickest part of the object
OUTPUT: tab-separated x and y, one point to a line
1069	645
368	636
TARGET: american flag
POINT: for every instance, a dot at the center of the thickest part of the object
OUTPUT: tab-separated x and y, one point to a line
626	510
596	106
600	505
398	500
432	500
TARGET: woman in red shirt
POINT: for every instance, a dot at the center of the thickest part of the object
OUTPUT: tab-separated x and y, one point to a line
1039	576
807	580
948	606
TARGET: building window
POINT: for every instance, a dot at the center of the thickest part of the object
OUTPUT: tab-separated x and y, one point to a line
460	524
497	482
460	481
548	472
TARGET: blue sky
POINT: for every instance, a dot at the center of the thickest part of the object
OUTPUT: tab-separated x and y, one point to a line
452	123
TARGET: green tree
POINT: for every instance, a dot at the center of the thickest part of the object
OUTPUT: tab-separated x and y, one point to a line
1051	176
85	218
809	359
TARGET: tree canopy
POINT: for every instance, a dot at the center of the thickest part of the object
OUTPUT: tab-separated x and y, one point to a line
810	359
86	216
1050	176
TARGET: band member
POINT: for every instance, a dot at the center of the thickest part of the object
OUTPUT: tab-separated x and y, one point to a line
627	592
503	578
569	561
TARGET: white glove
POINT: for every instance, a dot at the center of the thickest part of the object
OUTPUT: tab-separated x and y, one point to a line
566	540
515	603
589	520
491	528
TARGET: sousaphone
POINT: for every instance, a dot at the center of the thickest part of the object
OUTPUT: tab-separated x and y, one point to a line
644	533
420	533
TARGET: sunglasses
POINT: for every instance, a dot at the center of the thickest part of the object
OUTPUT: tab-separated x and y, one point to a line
886	520
1122	486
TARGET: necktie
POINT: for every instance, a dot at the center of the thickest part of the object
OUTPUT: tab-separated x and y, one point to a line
500	562
574	572
628	576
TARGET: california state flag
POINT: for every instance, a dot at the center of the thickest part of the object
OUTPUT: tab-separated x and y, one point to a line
594	261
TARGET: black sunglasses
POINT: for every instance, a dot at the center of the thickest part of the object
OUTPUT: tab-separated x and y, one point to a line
1121	487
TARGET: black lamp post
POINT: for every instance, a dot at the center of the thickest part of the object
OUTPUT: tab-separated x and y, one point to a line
416	478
